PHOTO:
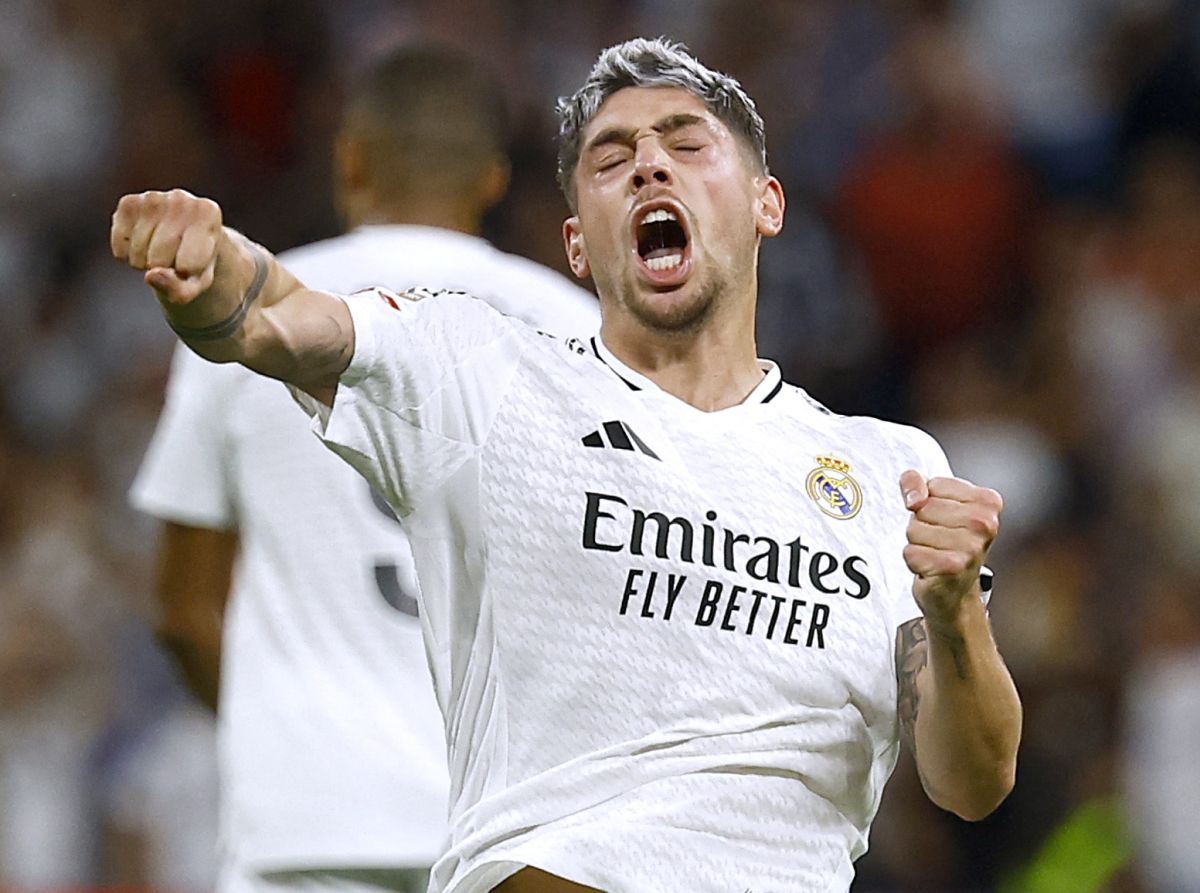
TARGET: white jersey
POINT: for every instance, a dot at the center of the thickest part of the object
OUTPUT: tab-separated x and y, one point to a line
662	639
332	749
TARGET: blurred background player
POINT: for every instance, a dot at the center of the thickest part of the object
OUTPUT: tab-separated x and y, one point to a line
332	749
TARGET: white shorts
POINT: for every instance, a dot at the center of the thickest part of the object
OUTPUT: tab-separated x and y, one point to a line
238	879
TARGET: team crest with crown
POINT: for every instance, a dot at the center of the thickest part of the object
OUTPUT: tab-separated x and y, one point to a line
833	490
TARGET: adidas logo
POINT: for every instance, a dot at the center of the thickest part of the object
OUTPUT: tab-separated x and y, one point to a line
619	436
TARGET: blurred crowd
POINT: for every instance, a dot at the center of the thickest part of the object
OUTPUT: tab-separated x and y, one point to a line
993	232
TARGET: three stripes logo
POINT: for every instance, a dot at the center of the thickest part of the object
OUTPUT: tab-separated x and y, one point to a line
617	436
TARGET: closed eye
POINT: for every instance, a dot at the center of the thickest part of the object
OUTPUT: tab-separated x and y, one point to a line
607	164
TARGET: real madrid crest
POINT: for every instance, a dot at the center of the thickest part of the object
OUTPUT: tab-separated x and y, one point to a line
833	490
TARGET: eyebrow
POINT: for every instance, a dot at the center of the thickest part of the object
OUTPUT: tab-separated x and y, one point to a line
625	135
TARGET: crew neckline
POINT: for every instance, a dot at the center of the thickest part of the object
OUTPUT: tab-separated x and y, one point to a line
764	392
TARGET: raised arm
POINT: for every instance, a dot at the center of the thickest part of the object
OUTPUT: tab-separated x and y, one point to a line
958	707
227	298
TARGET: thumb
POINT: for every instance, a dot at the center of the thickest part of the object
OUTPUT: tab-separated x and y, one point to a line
175	289
914	488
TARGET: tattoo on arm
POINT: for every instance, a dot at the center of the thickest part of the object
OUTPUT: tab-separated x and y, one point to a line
912	655
957	645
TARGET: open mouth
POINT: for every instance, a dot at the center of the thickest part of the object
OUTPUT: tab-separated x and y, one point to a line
662	244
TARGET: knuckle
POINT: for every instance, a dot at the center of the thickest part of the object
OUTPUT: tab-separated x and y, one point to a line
984	523
210	213
956	563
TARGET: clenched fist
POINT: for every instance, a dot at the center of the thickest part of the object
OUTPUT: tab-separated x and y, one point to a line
951	529
174	236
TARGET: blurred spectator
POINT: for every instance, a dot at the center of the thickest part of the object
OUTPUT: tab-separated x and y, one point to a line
161	809
48	730
1048	62
1158	51
987	438
56	684
1162	784
1134	336
936	207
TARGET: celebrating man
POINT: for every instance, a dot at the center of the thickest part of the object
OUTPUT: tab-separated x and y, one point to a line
679	614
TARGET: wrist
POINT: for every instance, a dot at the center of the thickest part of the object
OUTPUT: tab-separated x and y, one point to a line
240	272
953	622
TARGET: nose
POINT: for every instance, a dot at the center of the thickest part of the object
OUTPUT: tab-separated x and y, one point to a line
651	165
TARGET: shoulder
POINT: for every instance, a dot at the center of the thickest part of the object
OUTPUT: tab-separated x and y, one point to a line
320	261
522	270
426	320
393	256
908	444
399	257
540	296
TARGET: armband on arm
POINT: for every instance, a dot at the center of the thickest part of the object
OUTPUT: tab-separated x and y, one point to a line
233	322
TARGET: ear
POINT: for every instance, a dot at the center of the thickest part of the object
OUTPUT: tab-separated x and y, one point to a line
350	162
576	250
494	182
768	206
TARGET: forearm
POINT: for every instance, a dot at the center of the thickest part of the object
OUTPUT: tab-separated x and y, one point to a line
228	299
195	570
969	724
196	651
265	319
217	323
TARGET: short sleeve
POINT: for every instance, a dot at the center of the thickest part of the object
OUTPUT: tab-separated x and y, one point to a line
184	476
418	399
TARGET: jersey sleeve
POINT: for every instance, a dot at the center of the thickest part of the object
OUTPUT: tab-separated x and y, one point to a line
184	476
417	401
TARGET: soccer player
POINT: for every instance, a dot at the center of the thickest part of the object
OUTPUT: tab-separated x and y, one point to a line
680	614
333	754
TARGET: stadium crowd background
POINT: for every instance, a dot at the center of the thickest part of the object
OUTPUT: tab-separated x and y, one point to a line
993	232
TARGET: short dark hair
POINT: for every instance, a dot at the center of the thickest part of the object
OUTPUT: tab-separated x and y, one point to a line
654	63
432	111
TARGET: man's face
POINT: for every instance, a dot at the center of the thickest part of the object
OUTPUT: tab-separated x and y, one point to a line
669	209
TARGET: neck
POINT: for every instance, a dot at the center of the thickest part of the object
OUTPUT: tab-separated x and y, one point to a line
415	211
712	368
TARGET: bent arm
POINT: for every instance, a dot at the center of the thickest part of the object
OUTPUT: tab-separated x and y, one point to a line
958	707
959	711
195	567
228	299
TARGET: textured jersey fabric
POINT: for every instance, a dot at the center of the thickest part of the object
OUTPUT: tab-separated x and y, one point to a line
662	638
332	749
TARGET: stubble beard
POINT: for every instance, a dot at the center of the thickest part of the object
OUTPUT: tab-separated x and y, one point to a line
680	318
